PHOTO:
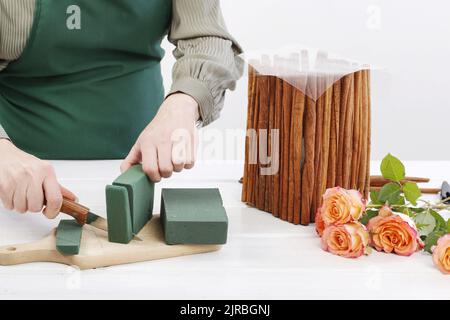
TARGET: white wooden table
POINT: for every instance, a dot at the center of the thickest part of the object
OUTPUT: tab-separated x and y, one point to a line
264	259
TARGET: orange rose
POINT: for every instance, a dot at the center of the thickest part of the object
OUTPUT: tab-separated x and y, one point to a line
394	232
349	240
441	254
341	206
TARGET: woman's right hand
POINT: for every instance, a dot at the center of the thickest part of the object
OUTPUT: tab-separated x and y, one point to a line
27	183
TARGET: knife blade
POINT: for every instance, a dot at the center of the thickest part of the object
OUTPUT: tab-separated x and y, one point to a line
83	215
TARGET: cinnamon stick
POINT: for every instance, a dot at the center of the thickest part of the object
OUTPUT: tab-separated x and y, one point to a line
379	181
326	105
285	137
298	108
423	190
247	179
270	178
362	141
364	162
348	100
308	173
369	133
263	119
334	135
278	125
317	155
344	85
356	130
254	164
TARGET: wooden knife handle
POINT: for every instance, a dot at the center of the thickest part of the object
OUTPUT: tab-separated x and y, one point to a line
75	210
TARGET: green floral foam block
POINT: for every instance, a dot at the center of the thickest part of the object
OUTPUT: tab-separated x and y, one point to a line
129	204
193	216
68	237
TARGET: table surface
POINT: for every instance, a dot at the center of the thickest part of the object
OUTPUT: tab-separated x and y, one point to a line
265	258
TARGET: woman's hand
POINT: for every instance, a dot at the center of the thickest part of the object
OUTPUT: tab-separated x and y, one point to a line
28	183
169	142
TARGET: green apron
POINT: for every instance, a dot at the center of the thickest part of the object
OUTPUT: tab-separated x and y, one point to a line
89	80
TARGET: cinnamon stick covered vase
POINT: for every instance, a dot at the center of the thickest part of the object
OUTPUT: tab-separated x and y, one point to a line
308	129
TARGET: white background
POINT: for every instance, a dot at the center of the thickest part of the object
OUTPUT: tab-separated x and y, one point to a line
411	39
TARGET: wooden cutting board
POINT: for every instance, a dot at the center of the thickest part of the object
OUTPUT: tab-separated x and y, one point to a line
96	251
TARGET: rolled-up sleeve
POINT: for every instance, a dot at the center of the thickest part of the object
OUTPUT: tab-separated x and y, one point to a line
208	61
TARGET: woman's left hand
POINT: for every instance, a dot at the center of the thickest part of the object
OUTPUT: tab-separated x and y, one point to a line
169	142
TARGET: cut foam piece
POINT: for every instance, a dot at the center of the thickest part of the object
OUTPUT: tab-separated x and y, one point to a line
193	216
119	216
68	237
140	195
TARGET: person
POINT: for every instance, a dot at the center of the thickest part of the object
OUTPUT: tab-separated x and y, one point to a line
81	79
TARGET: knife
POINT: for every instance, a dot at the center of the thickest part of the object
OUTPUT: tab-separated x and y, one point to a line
83	215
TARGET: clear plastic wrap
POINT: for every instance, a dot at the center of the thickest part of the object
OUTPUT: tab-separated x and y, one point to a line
310	70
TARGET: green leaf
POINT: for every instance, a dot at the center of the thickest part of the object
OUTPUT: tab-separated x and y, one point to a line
421	226
441	225
400	201
374	197
432	240
425	222
448	225
369	214
412	192
390	193
392	168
